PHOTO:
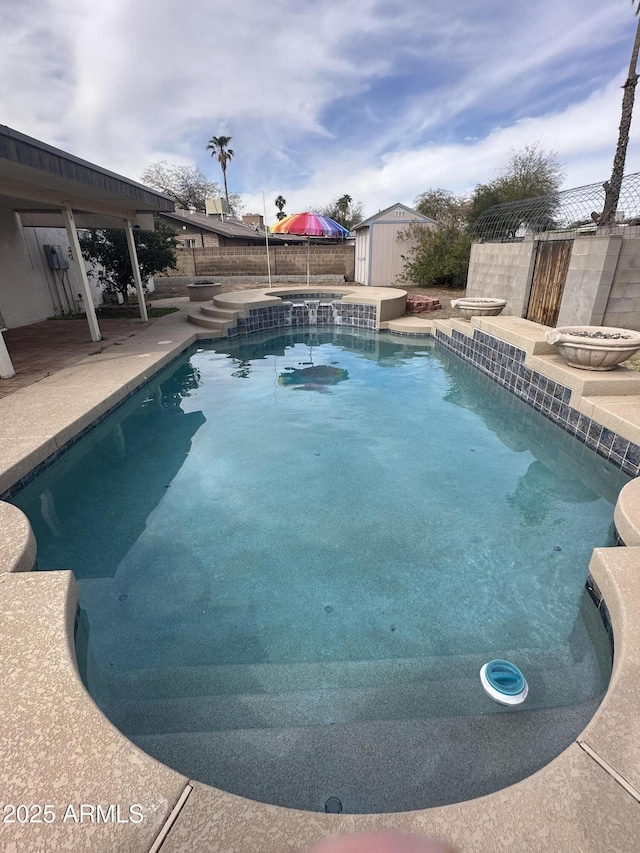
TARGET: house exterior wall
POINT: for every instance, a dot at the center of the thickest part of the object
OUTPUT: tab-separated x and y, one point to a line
29	290
192	232
503	271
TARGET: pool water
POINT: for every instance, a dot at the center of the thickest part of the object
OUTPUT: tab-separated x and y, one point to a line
296	551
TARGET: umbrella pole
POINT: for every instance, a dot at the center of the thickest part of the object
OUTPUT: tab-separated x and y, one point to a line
266	237
308	245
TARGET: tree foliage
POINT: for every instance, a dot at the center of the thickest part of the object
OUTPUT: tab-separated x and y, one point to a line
530	173
186	185
443	206
280	202
439	255
108	254
343	210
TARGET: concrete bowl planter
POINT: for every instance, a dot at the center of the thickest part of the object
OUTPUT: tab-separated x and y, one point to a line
471	307
204	291
594	347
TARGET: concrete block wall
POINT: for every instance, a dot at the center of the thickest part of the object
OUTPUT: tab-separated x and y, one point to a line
623	305
602	285
503	271
590	278
252	260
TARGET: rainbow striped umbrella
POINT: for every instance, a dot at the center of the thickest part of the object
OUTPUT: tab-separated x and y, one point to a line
309	225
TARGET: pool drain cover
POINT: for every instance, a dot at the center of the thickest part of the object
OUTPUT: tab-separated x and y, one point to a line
333	806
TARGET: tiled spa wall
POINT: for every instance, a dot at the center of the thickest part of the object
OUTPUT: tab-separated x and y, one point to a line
307	312
504	363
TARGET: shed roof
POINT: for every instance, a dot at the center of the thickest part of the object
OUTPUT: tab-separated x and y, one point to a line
382	213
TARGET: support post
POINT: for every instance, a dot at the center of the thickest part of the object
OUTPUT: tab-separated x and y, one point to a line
6	367
136	271
76	254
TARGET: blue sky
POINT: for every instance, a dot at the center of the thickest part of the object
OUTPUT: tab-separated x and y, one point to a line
381	99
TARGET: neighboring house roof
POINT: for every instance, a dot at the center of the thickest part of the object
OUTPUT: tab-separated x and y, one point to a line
228	227
380	215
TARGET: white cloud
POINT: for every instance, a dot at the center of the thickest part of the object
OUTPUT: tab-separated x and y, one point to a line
584	136
312	92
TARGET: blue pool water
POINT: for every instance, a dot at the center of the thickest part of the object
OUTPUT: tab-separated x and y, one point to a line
296	551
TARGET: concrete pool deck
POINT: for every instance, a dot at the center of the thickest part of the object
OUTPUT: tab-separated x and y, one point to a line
58	749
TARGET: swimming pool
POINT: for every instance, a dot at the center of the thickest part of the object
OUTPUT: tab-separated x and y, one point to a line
299	572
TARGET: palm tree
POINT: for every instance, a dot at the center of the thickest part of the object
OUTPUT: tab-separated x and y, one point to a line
612	187
280	203
218	145
344	202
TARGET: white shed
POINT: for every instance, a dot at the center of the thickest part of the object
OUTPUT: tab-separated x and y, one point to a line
379	253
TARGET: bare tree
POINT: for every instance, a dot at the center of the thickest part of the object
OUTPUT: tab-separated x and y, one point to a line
186	185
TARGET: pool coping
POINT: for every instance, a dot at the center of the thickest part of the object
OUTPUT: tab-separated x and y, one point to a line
587	798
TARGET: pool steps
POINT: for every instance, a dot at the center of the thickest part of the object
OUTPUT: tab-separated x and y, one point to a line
224	310
209	323
247	760
265	695
434	697
274	732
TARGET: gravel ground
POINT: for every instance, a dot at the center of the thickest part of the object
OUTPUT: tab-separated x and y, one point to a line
165	289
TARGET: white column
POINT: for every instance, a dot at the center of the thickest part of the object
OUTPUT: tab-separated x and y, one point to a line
6	368
136	271
76	254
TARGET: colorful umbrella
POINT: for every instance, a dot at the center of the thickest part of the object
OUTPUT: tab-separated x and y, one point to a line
309	225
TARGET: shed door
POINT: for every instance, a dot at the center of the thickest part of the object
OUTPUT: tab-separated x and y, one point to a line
549	277
362	238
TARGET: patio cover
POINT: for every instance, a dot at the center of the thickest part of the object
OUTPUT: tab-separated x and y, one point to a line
48	187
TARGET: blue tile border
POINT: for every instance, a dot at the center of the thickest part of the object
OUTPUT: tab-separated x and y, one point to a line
40	467
598	599
406	334
328	311
504	363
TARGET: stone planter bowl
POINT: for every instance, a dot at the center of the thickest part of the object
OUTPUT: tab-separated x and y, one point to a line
594	347
471	307
204	291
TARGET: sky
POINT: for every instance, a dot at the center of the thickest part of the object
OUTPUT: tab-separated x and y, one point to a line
380	99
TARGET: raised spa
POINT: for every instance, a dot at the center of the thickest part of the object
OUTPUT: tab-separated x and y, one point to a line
295	552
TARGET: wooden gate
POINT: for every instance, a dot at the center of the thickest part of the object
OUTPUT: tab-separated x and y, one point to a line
549	277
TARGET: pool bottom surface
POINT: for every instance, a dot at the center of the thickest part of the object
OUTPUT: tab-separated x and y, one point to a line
380	735
310	549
